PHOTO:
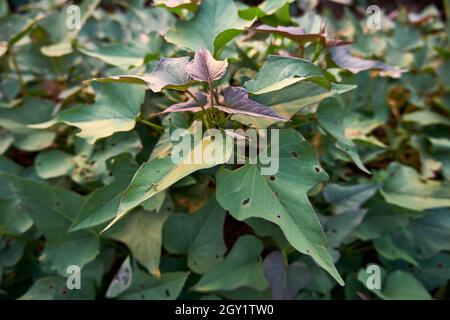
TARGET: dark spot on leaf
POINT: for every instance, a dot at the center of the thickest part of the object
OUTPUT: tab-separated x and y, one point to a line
440	265
217	256
245	201
272	178
294	154
334	230
278	216
317	169
167	292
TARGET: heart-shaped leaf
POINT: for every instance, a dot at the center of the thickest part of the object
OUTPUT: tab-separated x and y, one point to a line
330	115
199	235
405	188
281	198
169	73
285	280
344	59
241	268
279	72
216	23
50	206
205	68
159	174
115	109
236	101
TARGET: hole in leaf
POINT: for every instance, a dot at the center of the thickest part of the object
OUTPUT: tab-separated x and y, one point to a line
272	178
245	201
317	169
278	216
294	154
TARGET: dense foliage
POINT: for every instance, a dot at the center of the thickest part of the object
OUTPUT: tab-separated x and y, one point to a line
87	178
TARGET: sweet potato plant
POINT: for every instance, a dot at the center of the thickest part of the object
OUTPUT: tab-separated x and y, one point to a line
341	117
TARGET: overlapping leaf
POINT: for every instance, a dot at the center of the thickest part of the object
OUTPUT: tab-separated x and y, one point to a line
115	109
215	24
281	198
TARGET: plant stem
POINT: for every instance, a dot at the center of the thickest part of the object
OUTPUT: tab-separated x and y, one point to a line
16	70
151	124
205	113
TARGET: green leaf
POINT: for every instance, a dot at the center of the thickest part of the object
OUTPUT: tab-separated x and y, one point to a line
53	211
405	188
122	280
18	119
199	235
426	236
115	110
387	247
426	118
159	174
398	285
281	198
55	288
292	99
53	163
125	56
146	287
339	227
279	72
88	165
330	115
347	198
102	204
242	267
216	23
142	233
64	47
434	272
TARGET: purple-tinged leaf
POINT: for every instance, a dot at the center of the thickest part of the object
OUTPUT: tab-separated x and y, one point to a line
236	101
205	68
285	281
298	34
344	59
190	105
169	74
